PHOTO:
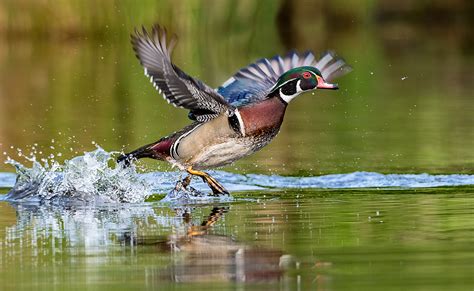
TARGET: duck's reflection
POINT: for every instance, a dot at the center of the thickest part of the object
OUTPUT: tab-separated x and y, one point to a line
216	258
196	251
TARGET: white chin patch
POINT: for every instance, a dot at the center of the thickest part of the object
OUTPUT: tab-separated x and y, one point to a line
288	98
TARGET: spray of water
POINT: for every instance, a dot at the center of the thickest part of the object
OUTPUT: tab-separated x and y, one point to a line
92	177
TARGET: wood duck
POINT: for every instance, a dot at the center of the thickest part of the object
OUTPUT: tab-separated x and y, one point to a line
236	119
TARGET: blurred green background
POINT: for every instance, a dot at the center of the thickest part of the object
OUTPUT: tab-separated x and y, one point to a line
68	77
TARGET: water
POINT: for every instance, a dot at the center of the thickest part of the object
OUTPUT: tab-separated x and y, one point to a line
319	232
95	178
338	239
84	178
366	188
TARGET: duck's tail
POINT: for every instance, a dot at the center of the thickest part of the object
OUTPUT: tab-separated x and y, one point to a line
158	150
126	159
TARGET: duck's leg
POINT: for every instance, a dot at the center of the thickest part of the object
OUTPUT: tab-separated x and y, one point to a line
186	181
215	186
183	184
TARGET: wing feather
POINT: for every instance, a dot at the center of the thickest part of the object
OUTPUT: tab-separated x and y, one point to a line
179	89
253	83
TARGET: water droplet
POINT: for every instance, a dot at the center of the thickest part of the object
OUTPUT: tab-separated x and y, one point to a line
90	173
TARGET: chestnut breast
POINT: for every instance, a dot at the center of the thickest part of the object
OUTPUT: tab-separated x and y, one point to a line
263	117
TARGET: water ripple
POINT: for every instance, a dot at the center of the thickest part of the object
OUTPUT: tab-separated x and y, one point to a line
95	177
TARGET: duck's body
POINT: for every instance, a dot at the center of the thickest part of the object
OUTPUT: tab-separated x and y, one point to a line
238	118
220	141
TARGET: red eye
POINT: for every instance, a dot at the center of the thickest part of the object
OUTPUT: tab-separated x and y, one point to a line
306	75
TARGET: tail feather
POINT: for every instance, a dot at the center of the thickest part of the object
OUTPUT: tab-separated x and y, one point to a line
143	152
125	160
158	150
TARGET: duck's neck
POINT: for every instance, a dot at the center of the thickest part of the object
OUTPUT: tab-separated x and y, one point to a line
288	91
264	116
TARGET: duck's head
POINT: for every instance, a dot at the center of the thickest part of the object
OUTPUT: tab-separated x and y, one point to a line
299	80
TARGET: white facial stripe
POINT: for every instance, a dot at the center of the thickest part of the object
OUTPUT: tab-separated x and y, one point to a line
241	122
298	87
282	84
288	98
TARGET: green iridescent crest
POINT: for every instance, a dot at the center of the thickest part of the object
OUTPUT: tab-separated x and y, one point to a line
295	73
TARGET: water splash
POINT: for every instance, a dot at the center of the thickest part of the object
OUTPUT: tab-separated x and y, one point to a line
95	178
86	178
191	195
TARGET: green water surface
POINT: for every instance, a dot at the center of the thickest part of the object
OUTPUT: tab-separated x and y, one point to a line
295	240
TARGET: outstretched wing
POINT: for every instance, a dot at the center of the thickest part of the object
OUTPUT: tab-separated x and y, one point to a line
175	85
253	83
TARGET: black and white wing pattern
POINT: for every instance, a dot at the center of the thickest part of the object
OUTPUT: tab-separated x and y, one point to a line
175	85
253	83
